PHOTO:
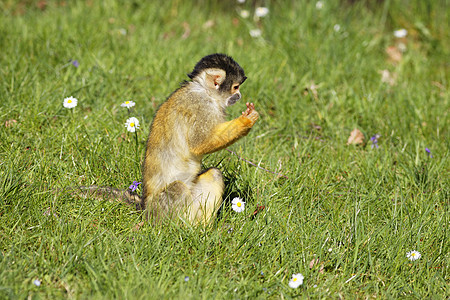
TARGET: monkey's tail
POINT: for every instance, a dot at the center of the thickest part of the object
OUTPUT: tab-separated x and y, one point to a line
107	193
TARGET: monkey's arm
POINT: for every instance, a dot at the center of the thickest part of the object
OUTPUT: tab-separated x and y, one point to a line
229	132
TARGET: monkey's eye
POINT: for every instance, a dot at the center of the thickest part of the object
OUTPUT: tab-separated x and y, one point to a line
236	87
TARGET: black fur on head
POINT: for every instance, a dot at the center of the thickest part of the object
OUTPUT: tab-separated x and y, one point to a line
234	72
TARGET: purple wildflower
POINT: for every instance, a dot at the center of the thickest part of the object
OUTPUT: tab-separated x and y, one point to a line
429	152
374	140
134	186
186	278
75	63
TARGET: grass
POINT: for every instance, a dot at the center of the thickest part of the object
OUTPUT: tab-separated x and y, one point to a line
354	210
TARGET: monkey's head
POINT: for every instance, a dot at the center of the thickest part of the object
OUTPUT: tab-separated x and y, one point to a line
221	76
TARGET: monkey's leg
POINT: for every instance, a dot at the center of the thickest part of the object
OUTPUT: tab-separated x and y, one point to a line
207	196
172	201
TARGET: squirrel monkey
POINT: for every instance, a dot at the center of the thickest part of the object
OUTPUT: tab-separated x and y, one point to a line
188	125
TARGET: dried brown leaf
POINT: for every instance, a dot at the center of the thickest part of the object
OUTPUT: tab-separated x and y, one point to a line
311	88
187	30
356	137
314	262
10	123
42	5
209	24
321	269
122	137
388	77
394	54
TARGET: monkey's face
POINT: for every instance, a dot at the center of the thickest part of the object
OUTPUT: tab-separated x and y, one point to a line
221	76
235	94
223	87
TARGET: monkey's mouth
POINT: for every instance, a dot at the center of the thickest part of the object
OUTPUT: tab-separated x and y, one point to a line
233	99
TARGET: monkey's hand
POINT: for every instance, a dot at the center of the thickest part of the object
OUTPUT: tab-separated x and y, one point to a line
229	132
250	113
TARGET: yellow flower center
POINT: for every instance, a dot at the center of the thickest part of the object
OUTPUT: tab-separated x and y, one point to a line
294	279
413	254
132	124
127	102
238	204
69	101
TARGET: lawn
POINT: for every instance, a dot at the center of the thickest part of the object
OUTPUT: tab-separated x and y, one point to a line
343	207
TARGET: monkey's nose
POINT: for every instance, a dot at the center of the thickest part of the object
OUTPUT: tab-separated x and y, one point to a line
233	99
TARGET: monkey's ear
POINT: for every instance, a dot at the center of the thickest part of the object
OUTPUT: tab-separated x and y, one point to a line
214	78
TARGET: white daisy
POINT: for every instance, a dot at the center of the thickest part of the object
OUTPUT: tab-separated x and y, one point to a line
261	12
296	281
132	124
255	32
37	282
241	1
401	33
128	104
319	5
245	14
70	102
238	205
413	255
337	27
